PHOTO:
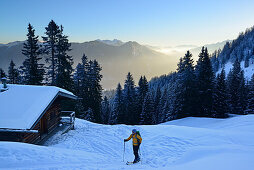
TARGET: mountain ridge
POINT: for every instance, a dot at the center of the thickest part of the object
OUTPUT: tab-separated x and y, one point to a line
129	56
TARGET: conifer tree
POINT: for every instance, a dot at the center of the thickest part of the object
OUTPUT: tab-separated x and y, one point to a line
2	73
105	110
78	76
82	82
205	84
250	98
141	93
13	73
117	115
129	100
156	104
236	89
94	97
33	71
220	96
186	92
148	112
247	61
50	47
64	62
162	106
89	115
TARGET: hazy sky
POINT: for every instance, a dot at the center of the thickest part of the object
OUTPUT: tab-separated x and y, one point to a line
154	22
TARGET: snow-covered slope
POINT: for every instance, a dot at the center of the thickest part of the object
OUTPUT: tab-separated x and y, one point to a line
248	72
185	144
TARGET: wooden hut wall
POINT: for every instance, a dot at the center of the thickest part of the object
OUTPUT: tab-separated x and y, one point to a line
52	117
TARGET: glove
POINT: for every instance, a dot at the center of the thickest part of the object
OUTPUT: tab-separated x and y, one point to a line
125	140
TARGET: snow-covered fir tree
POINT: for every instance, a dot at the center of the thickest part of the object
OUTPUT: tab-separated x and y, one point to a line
220	106
87	85
205	84
94	89
64	62
247	60
157	97
78	87
236	89
2	73
33	70
13	73
89	115
105	110
172	99
162	106
81	81
129	96
148	110
50	47
142	89
186	91
250	97
117	115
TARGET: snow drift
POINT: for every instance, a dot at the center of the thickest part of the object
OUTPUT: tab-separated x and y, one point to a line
190	143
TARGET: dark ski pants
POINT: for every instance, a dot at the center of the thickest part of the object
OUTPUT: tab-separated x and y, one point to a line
135	151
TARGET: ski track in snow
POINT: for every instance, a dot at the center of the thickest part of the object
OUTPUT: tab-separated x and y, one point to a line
190	143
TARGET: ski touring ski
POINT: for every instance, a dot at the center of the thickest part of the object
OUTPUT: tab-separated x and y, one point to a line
130	163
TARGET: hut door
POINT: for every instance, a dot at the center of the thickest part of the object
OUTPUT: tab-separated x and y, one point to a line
44	123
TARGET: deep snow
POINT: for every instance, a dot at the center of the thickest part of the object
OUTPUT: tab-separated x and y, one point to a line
185	144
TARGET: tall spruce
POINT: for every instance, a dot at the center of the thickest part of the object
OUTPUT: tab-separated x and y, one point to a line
117	115
247	60
162	106
2	73
141	93
129	100
105	110
64	62
250	98
148	111
78	86
94	97
186	91
50	49
205	84
236	89
156	103
13	73
220	96
33	71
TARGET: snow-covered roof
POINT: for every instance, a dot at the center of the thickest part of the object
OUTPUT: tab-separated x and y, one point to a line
22	105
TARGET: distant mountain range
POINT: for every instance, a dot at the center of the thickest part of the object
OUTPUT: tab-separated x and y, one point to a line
180	50
117	58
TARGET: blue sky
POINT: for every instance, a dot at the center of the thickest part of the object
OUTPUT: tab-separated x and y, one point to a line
153	22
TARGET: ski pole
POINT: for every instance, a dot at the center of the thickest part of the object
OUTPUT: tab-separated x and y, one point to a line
123	150
140	154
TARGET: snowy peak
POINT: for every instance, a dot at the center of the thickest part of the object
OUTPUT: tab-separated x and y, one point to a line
12	43
113	42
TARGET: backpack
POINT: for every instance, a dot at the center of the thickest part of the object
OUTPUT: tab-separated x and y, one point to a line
138	133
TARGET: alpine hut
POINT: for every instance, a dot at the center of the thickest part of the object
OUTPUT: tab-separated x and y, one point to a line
28	113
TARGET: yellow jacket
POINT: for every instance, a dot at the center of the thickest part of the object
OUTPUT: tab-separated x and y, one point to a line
135	138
